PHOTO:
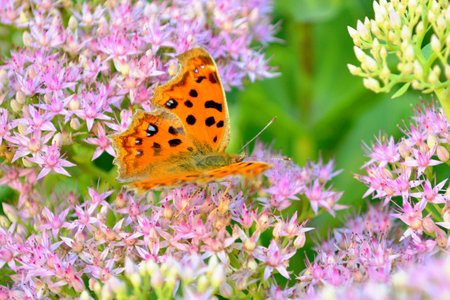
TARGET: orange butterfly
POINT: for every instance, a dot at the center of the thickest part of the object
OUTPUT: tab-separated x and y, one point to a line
184	140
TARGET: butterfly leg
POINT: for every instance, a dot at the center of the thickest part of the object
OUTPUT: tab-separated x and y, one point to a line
188	201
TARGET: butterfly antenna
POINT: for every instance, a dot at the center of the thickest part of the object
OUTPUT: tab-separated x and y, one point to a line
265	127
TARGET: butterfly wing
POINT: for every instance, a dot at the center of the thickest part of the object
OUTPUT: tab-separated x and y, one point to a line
197	98
153	146
248	170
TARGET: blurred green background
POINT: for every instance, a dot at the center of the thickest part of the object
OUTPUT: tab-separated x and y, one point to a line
321	107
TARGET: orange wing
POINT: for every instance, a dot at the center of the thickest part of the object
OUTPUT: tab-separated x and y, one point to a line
196	96
153	145
248	170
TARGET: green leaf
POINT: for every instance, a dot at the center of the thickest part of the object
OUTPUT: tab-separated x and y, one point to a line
427	51
402	90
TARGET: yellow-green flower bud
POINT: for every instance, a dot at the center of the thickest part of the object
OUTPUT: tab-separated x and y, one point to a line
418	71
441	23
420	28
409	53
371	84
396	22
353	69
360	55
431	16
435	43
412	5
371	63
406	33
362	30
442	153
432	140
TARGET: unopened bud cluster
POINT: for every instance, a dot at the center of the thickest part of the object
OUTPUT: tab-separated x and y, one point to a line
407	42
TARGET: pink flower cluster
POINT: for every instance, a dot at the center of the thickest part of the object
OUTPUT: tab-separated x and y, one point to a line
403	171
57	240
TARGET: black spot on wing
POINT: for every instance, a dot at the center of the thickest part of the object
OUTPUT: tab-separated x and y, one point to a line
188	103
193	93
210	121
174	142
200	79
219	124
171	104
152	130
191	120
215	139
172	130
156	146
212	104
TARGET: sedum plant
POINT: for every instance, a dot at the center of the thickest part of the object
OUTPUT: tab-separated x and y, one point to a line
408	43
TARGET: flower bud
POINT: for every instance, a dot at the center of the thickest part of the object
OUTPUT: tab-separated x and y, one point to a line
428	224
73	23
418	71
74	103
371	84
406	33
416	84
300	241
433	78
383	52
23	18
249	244
57	139
157	280
26	162
420	28
416	224
371	63
442	153
447	71
431	140
168	212
362	30
409	53
441	237
431	16
27	39
75	124
225	290
353	69
435	43
441	23
396	22
353	33
412	5
360	55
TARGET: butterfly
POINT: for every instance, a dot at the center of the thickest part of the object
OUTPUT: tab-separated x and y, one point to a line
183	141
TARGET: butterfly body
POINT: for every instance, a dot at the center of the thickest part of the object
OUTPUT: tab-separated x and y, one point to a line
184	140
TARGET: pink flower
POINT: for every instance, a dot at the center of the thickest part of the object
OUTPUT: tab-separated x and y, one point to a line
52	161
103	143
274	257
